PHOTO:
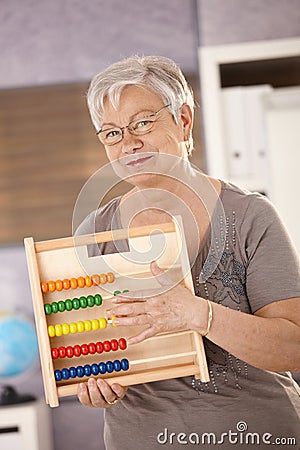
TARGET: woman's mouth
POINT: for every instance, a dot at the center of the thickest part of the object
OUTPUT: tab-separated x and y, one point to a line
138	161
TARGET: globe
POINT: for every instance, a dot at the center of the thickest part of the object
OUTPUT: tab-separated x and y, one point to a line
18	344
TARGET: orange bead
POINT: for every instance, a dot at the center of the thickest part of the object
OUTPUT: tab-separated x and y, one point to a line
44	287
58	285
80	282
51	286
66	284
73	283
88	281
95	280
110	277
103	278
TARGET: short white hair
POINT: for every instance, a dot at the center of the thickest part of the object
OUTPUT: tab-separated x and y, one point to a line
157	73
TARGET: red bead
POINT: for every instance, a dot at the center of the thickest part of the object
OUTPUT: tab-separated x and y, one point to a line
69	351
77	350
99	347
62	352
106	346
54	352
92	348
114	344
122	343
84	349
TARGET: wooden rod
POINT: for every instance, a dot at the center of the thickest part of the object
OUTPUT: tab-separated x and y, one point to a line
161	358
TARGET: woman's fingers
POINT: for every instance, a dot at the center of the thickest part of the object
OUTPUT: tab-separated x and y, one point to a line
98	394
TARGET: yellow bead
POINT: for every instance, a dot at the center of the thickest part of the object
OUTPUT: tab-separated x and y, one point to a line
80	326
112	321
73	328
95	324
102	323
51	331
58	329
65	328
87	325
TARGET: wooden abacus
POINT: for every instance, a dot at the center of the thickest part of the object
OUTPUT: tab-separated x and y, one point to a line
76	327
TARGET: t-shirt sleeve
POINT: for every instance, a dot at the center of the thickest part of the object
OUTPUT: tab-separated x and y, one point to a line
272	262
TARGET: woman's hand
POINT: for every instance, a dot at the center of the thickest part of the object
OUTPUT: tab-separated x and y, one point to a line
98	393
174	310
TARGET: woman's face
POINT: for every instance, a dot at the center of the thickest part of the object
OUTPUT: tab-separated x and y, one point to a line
136	156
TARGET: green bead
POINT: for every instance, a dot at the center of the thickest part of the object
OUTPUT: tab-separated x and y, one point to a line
54	307
117	292
61	306
69	304
48	309
125	290
98	300
90	301
76	303
83	302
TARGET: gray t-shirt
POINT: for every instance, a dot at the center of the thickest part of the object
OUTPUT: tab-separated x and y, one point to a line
241	406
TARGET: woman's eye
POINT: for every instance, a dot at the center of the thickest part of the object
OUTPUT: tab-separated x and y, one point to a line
143	123
112	133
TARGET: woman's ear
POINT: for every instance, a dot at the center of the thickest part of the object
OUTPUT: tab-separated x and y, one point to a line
187	118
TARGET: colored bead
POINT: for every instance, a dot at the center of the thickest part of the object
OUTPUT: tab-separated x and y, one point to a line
48	309
58	329
117	365
44	287
66	284
58	285
73	372
109	366
112	321
124	364
102	323
125	290
98	300
102	368
95	369
65	328
69	351
73	283
90	301
76	303
54	353
73	328
87	325
114	344
54	307
83	302
80	371
69	304
122	343
65	373
81	282
51	331
99	347
80	327
87	370
77	350
103	278
88	281
106	346
58	375
51	286
84	349
95	324
62	352
92	348
95	280
110	277
61	306
117	292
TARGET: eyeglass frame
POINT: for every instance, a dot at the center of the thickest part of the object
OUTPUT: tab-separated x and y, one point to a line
128	127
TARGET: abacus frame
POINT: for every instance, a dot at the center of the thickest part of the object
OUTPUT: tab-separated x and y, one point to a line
45	261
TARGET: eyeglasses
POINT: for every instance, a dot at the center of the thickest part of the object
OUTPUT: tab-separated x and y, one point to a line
138	127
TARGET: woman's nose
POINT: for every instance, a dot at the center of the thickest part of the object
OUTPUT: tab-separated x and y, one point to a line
130	142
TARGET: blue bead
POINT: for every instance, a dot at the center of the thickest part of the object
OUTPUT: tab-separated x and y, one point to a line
87	370
102	368
109	366
117	365
124	364
57	374
95	369
65	374
73	372
80	371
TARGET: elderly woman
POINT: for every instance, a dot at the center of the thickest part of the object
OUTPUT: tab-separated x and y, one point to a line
247	306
